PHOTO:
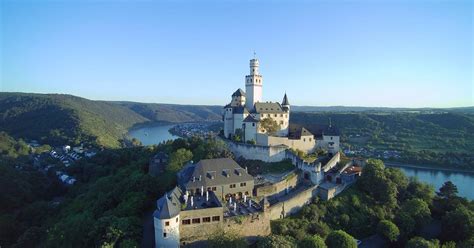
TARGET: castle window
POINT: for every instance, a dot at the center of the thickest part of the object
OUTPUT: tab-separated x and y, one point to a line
243	184
331	138
176	219
281	115
232	186
196	220
206	219
164	235
276	115
281	122
309	139
186	222
253	124
167	223
214	188
304	140
216	218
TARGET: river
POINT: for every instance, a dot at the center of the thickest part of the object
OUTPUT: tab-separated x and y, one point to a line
155	134
463	180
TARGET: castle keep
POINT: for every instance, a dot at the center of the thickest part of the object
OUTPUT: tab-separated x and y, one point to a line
244	115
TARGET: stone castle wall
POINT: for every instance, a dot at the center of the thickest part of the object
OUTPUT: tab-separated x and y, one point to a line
293	204
264	153
278	188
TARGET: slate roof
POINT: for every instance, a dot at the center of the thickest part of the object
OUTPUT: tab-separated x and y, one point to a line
219	171
250	118
268	107
240	110
331	131
298	132
285	100
227	106
238	92
169	205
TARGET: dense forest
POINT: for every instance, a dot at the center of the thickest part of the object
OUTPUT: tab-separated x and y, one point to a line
444	138
104	208
57	119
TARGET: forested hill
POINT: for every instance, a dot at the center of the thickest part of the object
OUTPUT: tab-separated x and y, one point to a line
443	138
175	113
58	119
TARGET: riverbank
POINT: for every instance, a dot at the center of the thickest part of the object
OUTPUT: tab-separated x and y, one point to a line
426	167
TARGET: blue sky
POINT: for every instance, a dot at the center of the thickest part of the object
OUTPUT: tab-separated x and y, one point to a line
322	53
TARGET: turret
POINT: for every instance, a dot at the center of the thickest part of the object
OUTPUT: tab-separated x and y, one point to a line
285	104
238	98
253	85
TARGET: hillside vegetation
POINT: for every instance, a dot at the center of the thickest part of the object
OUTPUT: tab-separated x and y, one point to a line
436	138
175	113
59	119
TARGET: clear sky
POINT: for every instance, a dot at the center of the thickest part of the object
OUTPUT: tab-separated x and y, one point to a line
323	53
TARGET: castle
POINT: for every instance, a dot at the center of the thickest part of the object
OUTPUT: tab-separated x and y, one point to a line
219	195
245	115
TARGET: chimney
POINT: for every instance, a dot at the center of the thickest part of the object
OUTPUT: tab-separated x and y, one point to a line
192	201
246	171
207	195
200	178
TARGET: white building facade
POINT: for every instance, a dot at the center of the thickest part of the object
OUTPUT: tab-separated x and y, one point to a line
243	118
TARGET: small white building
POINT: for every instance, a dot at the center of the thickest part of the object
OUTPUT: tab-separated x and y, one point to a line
166	219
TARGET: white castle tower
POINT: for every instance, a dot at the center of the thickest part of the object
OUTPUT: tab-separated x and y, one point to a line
166	220
253	85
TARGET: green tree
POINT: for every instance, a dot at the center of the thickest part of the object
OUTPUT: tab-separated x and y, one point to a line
312	242
419	242
178	158
340	239
226	239
458	224
448	190
418	210
269	125
276	241
374	182
388	230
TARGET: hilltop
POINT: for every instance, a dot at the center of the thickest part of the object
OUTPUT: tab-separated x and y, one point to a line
58	119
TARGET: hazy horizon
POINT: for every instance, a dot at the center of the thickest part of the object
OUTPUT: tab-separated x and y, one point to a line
197	104
395	54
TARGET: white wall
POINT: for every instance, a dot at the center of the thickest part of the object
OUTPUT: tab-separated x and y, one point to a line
305	143
172	232
264	153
